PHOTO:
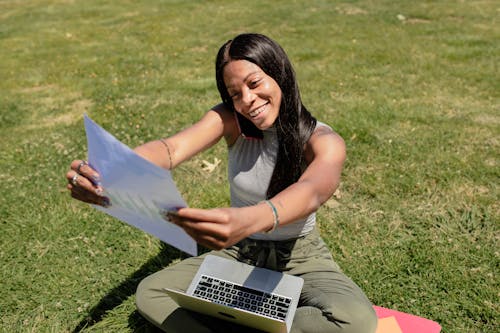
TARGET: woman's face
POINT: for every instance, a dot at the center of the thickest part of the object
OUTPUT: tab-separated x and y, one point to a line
255	94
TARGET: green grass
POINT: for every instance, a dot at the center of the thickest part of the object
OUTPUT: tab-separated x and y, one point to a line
416	219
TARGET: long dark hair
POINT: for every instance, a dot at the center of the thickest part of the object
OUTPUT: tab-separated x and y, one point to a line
294	124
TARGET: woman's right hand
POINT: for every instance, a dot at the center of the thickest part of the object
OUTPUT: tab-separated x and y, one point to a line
84	184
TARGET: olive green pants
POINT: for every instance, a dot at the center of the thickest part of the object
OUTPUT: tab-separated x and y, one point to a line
329	302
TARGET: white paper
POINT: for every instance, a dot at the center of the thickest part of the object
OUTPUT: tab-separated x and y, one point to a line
138	189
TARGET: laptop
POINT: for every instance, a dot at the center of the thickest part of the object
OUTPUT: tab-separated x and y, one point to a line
243	294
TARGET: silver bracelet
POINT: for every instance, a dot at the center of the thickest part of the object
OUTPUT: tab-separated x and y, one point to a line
275	215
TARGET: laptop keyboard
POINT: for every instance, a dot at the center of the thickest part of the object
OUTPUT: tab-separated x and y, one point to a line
237	296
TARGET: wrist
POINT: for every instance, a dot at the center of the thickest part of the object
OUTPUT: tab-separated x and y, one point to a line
275	217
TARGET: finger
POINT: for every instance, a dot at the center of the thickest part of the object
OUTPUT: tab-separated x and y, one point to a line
197	214
207	241
176	217
82	194
79	194
83	168
81	164
172	216
210	230
80	181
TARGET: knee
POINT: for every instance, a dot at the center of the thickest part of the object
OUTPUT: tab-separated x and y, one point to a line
358	319
140	295
362	320
150	301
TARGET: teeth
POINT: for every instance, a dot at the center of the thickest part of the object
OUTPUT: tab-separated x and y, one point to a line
258	111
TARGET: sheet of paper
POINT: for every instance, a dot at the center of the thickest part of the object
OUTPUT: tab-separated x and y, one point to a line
138	189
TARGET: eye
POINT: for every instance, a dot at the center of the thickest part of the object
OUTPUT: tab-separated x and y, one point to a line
234	95
254	83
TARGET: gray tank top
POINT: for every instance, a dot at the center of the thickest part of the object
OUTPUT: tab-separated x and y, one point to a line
250	167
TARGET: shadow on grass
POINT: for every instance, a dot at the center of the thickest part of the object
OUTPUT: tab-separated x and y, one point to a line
138	324
127	288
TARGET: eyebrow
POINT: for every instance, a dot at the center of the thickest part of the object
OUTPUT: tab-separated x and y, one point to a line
244	79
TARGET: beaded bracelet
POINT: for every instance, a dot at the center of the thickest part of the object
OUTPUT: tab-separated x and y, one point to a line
275	215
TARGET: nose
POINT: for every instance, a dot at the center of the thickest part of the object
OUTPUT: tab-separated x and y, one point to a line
247	96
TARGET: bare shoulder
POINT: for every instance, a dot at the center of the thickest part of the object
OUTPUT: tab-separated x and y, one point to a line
325	134
231	129
222	110
325	143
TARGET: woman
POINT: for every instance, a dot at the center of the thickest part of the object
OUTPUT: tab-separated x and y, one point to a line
283	165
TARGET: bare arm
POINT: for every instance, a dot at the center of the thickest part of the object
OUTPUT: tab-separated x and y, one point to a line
83	181
326	154
214	125
221	227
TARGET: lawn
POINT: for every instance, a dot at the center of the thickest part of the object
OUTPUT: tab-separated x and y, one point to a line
412	86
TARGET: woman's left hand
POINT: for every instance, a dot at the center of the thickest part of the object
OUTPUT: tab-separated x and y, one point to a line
216	228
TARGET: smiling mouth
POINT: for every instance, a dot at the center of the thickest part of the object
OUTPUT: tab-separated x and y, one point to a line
258	111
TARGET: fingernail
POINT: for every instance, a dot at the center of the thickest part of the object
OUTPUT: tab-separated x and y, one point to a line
96	180
99	191
168	216
106	202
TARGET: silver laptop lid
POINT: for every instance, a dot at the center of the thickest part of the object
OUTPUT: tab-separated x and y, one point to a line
252	277
249	276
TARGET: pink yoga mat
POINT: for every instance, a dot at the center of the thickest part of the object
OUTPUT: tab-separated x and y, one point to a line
392	321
